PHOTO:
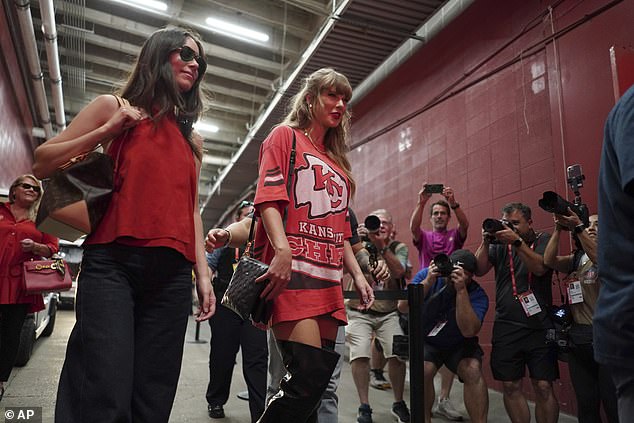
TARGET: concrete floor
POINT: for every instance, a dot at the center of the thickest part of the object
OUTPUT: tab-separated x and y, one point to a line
35	384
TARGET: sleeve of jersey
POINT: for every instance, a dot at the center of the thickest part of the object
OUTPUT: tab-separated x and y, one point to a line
273	167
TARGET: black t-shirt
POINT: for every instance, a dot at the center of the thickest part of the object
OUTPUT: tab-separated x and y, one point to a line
354	225
507	308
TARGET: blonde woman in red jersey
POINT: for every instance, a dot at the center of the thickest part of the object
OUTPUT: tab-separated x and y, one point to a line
307	251
134	292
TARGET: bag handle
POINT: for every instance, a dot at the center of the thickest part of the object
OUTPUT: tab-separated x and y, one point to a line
291	168
78	158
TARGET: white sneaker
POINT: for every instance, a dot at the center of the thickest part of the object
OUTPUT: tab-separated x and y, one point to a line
444	408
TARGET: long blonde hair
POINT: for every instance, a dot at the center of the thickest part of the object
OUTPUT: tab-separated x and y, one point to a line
36	204
301	115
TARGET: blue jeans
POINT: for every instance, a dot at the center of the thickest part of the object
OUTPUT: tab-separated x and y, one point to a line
124	354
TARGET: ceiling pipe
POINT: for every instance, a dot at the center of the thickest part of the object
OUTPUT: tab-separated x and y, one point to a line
426	32
37	78
54	73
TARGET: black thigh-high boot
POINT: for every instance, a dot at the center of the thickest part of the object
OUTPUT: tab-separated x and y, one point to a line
309	369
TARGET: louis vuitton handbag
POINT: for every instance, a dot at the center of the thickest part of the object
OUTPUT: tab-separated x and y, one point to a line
243	293
46	276
78	194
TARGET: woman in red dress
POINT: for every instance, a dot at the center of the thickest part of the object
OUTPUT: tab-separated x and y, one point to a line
304	238
19	241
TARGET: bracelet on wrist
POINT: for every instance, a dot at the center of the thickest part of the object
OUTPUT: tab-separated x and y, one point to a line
579	228
228	237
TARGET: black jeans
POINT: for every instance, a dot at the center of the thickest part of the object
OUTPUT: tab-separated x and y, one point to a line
228	333
124	354
592	382
10	329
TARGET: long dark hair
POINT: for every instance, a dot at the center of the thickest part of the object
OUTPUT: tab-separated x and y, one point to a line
151	84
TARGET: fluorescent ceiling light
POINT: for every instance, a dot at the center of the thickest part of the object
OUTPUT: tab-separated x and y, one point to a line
145	4
205	127
236	31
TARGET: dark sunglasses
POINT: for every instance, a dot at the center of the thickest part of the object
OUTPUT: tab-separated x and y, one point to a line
29	186
187	55
245	204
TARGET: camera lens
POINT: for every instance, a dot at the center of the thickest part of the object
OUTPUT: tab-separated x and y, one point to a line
372	223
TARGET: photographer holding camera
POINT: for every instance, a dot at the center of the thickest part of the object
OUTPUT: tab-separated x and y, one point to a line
429	244
455	306
591	381
523	297
382	320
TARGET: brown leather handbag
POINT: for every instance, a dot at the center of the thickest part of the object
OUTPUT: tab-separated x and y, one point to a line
77	196
46	276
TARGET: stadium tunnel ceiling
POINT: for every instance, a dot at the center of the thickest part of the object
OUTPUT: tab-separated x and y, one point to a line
249	82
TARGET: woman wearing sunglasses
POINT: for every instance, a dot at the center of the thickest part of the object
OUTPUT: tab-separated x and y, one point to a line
305	240
20	241
134	291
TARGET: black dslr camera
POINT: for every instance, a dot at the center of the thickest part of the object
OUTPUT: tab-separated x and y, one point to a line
372	224
443	264
562	322
554	203
491	226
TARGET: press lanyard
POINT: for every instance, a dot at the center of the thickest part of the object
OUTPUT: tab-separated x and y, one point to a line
512	268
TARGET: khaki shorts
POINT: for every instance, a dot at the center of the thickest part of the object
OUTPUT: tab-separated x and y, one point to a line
360	328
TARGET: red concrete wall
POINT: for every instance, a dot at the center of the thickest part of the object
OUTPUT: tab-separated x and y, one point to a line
16	156
496	109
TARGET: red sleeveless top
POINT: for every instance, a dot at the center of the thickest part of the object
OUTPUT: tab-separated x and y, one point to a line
155	190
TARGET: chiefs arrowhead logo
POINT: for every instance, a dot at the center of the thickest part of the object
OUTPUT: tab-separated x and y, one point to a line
320	187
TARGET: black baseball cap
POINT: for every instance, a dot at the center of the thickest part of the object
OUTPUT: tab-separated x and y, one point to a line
464	259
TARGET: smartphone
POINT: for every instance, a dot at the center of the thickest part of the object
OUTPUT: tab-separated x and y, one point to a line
434	188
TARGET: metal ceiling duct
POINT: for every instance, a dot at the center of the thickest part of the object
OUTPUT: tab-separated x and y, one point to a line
54	72
28	36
